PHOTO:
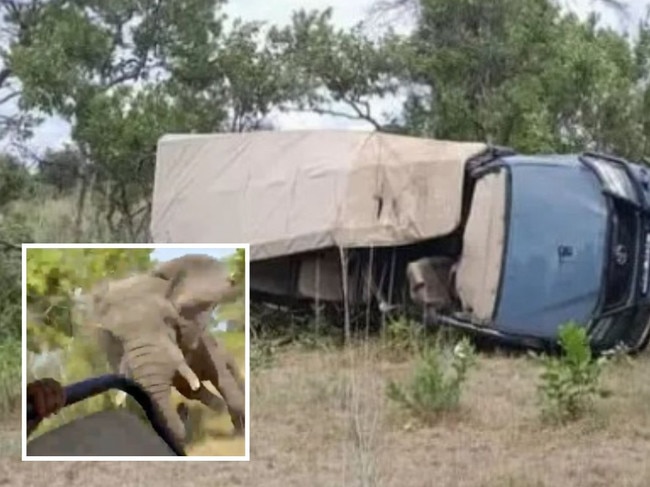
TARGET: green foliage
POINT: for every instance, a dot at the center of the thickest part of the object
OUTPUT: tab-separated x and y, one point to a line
523	73
81	360
238	265
335	66
60	170
54	274
10	293
52	277
15	180
10	374
48	218
403	338
236	311
436	385
234	341
570	382
125	73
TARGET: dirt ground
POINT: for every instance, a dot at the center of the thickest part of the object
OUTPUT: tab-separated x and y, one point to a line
321	419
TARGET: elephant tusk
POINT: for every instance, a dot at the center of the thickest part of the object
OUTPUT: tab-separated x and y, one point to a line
120	398
189	375
182	367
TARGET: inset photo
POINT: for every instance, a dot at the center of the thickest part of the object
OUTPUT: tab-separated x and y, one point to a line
135	352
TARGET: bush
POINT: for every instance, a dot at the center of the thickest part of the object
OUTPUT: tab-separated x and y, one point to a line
570	382
401	338
437	382
10	375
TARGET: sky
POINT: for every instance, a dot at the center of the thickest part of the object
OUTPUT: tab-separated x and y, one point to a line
55	133
165	254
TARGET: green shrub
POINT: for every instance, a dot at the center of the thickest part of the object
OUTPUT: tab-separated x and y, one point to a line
10	375
570	382
403	338
436	385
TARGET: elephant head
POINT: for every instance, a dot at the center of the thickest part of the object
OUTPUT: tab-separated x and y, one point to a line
150	323
197	283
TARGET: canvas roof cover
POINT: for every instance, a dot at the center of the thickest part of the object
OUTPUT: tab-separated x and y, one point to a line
296	191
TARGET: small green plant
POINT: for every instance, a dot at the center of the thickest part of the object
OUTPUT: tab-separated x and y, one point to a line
570	381
402	338
437	382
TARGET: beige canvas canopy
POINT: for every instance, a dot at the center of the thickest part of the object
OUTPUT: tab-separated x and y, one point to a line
296	191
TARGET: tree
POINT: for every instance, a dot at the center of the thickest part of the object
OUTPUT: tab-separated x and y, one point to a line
17	19
53	275
60	169
15	180
124	73
523	74
332	66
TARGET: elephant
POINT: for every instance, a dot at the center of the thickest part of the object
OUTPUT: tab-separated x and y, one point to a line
212	363
153	328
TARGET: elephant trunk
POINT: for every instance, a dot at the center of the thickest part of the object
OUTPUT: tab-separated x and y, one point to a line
154	372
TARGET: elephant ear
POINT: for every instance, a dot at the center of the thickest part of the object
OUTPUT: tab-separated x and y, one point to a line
197	283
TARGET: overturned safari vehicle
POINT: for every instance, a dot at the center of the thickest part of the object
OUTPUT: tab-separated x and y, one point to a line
110	432
472	236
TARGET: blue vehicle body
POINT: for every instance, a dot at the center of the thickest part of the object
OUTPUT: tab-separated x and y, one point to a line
557	234
576	249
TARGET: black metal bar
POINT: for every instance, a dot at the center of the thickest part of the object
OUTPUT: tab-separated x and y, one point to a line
85	389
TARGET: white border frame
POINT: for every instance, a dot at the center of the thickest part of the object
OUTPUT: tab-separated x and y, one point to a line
244	458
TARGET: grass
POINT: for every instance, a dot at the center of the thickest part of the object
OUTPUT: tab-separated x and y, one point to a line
10	375
313	411
436	386
212	433
322	418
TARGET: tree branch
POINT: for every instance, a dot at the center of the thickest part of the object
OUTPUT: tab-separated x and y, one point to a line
4	75
8	97
364	116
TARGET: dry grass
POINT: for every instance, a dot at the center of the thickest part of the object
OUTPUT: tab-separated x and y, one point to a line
322	419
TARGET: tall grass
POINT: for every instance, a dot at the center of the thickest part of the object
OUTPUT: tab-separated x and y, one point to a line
10	375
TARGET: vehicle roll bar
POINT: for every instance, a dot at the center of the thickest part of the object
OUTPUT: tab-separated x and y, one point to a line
85	389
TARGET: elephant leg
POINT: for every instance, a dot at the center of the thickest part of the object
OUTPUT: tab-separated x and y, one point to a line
183	412
234	400
152	368
162	398
234	370
229	386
